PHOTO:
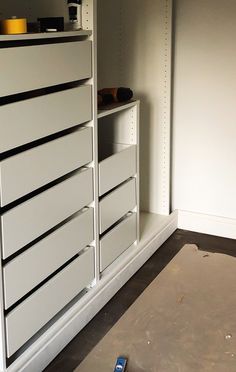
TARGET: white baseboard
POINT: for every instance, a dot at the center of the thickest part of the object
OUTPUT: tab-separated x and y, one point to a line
207	224
45	349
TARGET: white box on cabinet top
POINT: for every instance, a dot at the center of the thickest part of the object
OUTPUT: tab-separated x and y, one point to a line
33	67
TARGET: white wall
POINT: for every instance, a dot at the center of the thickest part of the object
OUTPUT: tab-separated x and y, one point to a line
109	47
204	168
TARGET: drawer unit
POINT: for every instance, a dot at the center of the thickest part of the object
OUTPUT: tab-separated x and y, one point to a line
33	67
116	241
119	162
36	167
29	220
28	120
38	262
116	204
34	312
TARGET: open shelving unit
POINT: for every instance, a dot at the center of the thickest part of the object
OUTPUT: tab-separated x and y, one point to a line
118	155
126	66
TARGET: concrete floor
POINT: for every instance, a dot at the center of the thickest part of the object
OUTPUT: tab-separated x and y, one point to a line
79	348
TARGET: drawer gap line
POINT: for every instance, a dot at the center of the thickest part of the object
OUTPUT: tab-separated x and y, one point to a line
5	100
41	237
38	191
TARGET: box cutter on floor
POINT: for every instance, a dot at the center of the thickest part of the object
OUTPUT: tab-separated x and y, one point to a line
121	364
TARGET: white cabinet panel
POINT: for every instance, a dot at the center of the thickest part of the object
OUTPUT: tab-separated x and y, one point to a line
36	167
118	240
33	67
33	313
28	120
119	165
29	220
116	204
37	263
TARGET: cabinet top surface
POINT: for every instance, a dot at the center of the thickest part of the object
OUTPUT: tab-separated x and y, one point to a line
45	35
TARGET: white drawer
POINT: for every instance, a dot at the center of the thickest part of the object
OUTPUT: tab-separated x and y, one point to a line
117	165
116	204
26	121
33	313
37	263
36	167
39	66
29	220
116	241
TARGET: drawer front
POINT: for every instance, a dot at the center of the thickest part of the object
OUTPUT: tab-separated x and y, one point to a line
118	203
53	251
26	319
26	121
117	241
34	168
116	169
34	67
29	220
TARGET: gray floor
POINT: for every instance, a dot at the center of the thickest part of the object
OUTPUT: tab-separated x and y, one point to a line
87	339
183	321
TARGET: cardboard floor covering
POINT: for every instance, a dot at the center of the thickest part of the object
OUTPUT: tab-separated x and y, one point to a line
184	321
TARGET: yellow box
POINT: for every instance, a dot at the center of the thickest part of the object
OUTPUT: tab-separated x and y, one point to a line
14	26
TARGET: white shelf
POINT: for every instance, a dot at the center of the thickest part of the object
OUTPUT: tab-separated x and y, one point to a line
45	35
112	109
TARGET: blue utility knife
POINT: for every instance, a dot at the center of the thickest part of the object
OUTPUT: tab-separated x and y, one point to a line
121	364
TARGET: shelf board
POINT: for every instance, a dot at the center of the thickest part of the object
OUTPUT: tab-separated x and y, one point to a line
111	109
45	35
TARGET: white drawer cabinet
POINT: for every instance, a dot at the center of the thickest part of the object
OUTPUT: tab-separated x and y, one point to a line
29	120
42	259
29	220
33	313
66	217
47	166
40	165
116	204
38	66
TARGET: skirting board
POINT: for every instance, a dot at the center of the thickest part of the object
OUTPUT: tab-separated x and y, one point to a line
45	349
207	224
